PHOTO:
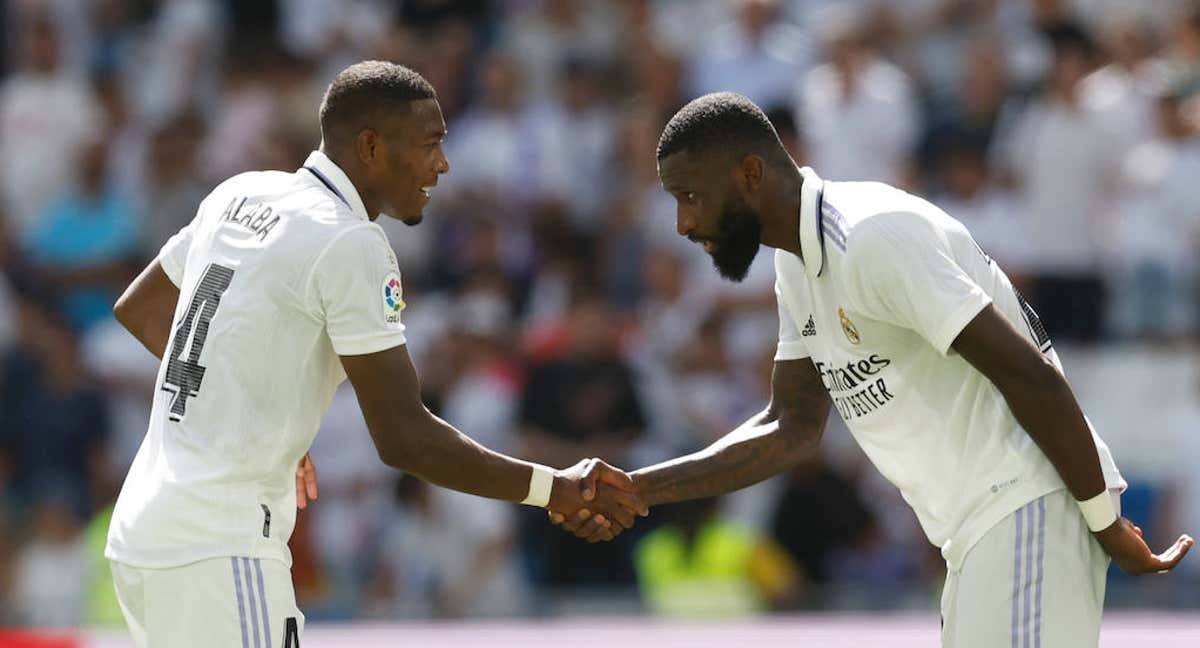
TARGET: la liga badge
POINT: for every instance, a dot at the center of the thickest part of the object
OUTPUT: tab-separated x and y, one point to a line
392	302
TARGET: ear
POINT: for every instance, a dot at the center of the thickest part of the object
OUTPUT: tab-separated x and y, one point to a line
749	173
367	146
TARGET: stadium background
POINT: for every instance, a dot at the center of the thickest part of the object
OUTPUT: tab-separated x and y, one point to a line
555	314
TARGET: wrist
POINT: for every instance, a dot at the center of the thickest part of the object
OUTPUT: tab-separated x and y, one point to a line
541	485
642	486
1098	512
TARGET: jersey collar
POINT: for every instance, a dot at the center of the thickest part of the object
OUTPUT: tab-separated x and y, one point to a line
329	174
812	238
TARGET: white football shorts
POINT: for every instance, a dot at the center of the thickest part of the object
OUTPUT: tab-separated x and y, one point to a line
1036	580
228	602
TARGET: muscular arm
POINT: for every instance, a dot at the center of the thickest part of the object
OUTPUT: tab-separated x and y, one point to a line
147	307
409	437
768	443
1039	397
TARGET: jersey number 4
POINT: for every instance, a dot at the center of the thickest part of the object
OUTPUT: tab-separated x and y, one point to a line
184	372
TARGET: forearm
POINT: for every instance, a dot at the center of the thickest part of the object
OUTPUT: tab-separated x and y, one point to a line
438	453
1048	412
754	451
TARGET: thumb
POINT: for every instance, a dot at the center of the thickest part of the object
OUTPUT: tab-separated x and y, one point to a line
614	476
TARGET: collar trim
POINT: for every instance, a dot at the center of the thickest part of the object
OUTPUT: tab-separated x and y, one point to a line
812	236
336	181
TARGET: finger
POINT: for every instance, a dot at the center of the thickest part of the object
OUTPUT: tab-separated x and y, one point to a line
589	528
556	518
631	502
602	535
301	500
623	517
310	477
1168	559
588	482
577	520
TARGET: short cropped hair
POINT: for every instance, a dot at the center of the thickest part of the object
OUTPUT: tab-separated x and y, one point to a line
722	119
360	93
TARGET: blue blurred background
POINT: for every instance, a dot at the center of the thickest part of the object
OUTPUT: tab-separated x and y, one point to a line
554	313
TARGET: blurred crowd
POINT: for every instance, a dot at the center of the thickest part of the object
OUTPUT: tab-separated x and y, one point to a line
553	312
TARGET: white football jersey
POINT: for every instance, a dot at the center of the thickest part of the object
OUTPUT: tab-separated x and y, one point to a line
279	275
886	284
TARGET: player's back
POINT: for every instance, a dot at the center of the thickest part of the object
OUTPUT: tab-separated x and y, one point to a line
248	372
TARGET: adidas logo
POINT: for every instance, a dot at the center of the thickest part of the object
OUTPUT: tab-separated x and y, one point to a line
810	329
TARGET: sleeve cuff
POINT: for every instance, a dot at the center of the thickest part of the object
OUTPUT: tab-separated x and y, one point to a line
958	320
173	270
365	344
790	351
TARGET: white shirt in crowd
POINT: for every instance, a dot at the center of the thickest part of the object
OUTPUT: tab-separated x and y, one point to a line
865	135
886	284
279	275
1066	162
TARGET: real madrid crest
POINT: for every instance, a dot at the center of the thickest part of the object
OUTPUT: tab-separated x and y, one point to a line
848	327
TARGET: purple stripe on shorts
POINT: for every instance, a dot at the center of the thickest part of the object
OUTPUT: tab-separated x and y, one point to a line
253	605
1026	594
1016	591
237	585
262	599
1041	572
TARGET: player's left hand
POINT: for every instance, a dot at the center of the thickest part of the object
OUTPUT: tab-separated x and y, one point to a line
1123	542
306	481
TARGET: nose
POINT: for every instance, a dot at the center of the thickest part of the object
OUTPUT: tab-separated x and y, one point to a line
684	223
443	164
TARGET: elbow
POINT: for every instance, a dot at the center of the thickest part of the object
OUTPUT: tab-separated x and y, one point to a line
121	311
804	437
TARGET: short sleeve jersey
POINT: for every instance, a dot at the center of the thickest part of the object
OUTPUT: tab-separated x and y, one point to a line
886	284
279	274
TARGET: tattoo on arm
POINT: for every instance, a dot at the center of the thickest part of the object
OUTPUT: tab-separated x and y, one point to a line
766	444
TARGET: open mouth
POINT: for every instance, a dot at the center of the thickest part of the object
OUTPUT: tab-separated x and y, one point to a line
426	191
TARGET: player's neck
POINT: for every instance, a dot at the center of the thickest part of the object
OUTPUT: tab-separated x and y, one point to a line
781	211
354	174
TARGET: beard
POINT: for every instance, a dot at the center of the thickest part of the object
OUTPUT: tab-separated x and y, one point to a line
737	241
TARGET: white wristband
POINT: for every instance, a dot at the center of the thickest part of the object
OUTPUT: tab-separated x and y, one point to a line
540	483
1099	512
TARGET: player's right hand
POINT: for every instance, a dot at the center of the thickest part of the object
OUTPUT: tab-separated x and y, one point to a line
1123	542
615	507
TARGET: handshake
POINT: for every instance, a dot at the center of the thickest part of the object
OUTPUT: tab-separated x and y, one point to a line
595	501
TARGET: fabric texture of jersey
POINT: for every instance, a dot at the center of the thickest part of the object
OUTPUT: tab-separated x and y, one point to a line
886	284
279	274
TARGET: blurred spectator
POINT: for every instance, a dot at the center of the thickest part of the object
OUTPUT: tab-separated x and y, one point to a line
575	133
581	403
970	194
856	111
347	521
50	581
47	116
1160	226
54	423
494	147
336	33
449	555
178	60
759	55
1064	155
86	245
824	523
175	188
548	32
700	564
